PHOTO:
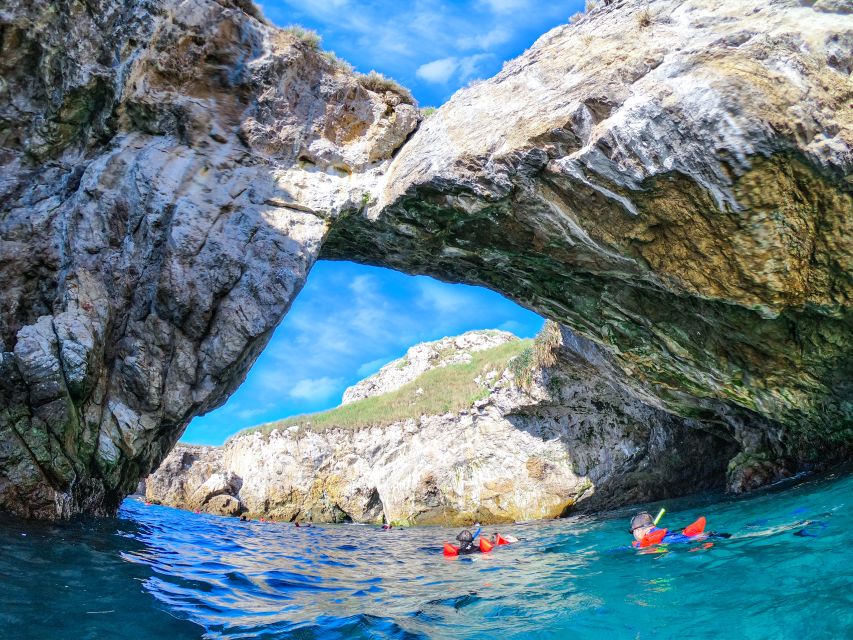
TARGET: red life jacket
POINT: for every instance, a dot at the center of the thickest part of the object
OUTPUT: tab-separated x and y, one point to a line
652	537
696	528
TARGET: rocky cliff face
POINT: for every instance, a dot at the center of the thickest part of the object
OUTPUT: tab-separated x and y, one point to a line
194	477
669	179
543	440
169	172
423	357
672	180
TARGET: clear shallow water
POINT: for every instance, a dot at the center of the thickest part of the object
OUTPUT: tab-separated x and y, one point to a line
156	572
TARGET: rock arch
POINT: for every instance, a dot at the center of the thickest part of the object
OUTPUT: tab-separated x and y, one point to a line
173	169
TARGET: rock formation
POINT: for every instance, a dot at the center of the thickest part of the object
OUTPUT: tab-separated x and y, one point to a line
195	478
169	172
672	180
669	179
544	440
423	357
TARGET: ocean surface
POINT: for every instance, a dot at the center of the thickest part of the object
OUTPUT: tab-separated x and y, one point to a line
155	572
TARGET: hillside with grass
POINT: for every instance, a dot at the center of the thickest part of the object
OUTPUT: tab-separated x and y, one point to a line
480	427
440	390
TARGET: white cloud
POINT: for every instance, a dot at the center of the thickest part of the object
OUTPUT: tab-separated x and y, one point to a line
507	6
248	414
272	379
493	38
442	299
387	39
469	67
363	285
330	4
315	388
462	69
438	71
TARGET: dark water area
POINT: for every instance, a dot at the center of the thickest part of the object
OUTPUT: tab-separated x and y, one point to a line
156	572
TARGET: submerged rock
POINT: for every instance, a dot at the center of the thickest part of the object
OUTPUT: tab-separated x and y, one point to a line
669	179
542	441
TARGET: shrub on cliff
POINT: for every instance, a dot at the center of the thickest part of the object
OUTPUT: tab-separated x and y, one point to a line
539	355
375	81
306	36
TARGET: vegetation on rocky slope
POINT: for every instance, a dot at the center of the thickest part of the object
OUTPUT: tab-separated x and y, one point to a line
540	353
438	391
372	81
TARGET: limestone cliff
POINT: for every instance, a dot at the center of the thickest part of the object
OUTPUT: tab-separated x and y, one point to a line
423	357
670	179
170	169
541	440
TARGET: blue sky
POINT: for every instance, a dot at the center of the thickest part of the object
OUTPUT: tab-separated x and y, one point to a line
432	47
350	319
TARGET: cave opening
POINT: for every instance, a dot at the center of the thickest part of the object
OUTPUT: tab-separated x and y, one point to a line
552	433
348	321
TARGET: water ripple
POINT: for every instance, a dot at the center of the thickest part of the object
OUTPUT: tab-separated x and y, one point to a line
161	573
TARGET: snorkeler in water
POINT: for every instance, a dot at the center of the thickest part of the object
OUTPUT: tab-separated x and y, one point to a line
646	533
467	544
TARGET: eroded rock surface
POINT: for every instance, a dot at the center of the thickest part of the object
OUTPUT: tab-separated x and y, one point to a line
564	437
169	172
670	179
194	477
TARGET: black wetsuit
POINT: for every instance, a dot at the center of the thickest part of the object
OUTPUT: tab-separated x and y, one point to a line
468	547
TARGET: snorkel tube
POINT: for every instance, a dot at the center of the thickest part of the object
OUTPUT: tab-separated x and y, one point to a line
659	516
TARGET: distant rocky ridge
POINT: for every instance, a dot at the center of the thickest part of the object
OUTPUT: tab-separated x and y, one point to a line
544	440
423	357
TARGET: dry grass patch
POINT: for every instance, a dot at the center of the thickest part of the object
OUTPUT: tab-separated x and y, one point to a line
301	34
541	353
645	18
375	81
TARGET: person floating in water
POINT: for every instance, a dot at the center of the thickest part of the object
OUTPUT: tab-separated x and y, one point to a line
497	539
646	533
467	545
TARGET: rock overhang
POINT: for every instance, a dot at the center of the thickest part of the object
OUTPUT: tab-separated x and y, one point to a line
685	203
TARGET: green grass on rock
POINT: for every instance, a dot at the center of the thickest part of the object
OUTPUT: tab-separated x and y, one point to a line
445	390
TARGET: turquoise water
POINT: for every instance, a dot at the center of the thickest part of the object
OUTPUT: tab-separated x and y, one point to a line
156	572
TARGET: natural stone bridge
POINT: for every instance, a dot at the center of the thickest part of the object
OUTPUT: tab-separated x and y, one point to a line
674	186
